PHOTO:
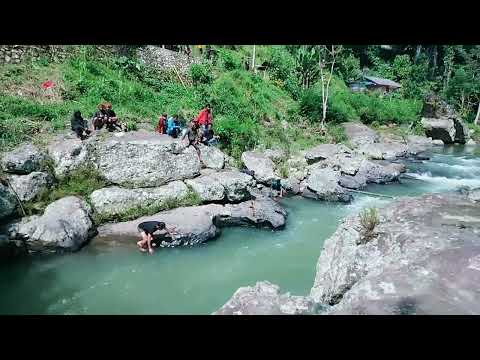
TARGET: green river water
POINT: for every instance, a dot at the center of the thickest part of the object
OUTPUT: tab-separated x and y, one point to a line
199	280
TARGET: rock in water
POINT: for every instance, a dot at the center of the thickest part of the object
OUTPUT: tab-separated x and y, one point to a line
142	159
440	129
437	142
379	173
8	202
29	186
65	225
23	160
68	153
423	258
115	201
263	167
212	157
359	134
197	224
471	142
322	184
265	299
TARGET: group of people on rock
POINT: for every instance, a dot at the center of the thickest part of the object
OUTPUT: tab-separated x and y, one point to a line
104	117
199	129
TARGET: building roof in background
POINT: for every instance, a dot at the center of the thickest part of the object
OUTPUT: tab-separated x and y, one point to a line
383	82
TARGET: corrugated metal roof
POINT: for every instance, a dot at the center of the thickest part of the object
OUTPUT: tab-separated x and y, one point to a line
382	82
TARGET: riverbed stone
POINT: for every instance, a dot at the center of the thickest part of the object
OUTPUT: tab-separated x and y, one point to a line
263	167
142	159
64	226
275	154
69	154
8	202
437	142
359	134
439	129
471	142
207	187
356	182
111	202
325	151
418	144
197	224
383	150
29	186
23	160
265	299
422	258
212	157
323	184
377	172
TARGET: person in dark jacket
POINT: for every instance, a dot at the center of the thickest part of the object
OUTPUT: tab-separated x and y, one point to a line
79	125
146	229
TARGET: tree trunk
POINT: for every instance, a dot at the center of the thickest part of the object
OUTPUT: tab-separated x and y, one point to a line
253	59
417	53
434	59
477	118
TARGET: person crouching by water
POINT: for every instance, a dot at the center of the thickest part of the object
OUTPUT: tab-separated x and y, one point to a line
147	229
79	125
105	116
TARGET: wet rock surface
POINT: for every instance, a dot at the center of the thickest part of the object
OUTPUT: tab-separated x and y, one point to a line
23	160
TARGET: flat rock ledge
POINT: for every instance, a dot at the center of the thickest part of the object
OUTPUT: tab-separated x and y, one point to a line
198	224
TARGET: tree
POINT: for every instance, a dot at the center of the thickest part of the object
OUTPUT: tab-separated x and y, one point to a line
326	55
306	65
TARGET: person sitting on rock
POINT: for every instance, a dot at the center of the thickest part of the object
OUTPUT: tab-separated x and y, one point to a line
162	124
79	125
191	134
276	185
147	229
105	116
172	126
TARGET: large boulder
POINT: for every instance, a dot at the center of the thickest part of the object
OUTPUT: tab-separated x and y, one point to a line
263	167
197	224
64	226
207	186
112	202
23	160
359	134
325	151
275	154
212	157
383	150
462	134
29	186
69	154
227	185
378	172
265	299
356	182
422	258
440	129
142	159
8	202
322	184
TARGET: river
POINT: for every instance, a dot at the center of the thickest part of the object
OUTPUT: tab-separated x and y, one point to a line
199	280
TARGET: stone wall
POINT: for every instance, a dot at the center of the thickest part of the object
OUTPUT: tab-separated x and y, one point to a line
15	54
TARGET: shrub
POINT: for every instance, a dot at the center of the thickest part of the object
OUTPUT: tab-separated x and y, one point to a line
201	74
236	135
229	60
369	219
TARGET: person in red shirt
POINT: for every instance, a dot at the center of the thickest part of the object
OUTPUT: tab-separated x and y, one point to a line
205	119
162	124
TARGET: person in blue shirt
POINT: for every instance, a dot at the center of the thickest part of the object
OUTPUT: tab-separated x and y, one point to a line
173	126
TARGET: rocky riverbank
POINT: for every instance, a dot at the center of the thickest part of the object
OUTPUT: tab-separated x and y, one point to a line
148	174
423	258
